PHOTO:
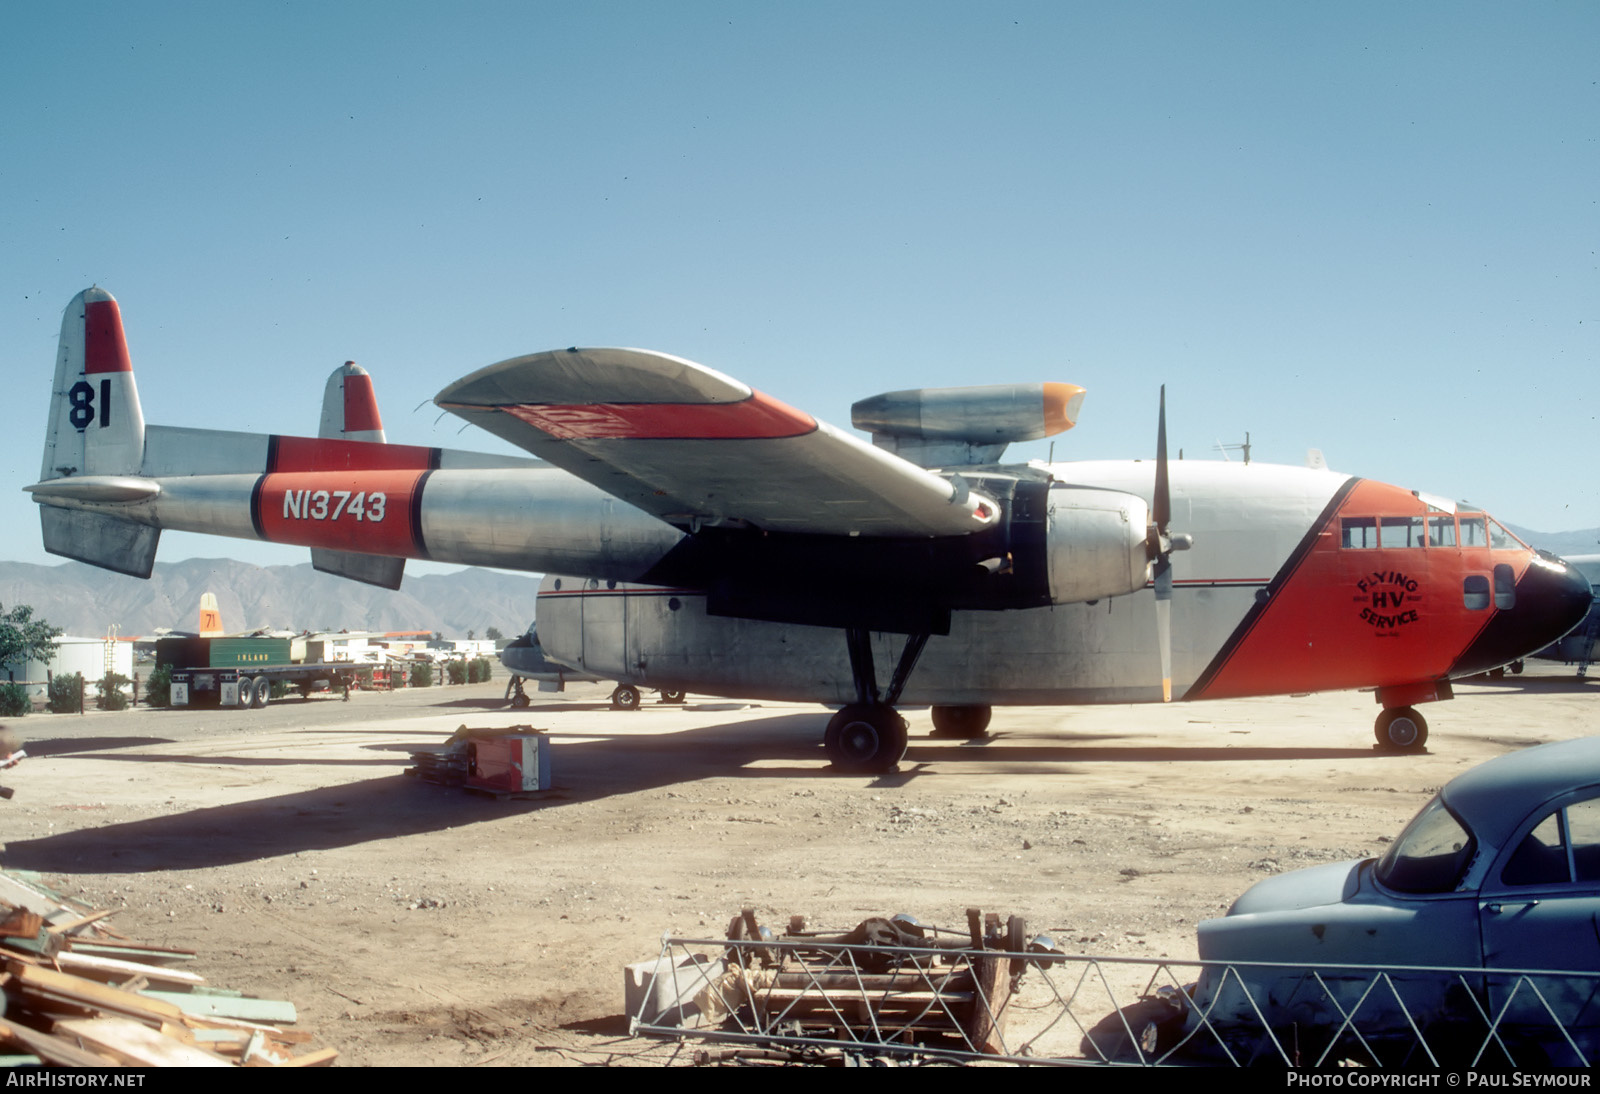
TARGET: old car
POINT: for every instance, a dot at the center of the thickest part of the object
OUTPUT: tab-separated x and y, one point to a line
1496	876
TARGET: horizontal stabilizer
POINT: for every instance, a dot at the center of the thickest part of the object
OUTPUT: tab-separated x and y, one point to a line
380	570
100	540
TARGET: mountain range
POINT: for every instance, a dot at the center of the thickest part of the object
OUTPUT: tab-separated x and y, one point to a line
83	600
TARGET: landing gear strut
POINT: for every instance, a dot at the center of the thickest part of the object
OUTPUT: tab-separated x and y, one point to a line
869	736
1401	729
515	694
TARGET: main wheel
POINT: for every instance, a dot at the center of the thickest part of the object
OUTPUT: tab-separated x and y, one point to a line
520	700
1401	729
672	695
962	722
625	697
866	737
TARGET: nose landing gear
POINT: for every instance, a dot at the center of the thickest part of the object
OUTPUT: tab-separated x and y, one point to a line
1401	729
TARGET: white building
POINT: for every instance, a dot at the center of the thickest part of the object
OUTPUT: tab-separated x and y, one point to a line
93	657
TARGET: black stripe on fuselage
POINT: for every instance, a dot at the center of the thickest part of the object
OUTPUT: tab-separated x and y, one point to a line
417	541
1264	596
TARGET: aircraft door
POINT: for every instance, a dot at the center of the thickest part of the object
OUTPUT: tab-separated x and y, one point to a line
605	629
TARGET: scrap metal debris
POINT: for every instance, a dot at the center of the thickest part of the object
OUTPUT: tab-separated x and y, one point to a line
504	762
79	994
891	987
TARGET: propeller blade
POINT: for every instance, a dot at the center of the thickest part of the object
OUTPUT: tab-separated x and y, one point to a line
1162	509
1162	515
1164	624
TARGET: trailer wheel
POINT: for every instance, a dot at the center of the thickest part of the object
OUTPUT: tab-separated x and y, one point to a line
260	692
246	683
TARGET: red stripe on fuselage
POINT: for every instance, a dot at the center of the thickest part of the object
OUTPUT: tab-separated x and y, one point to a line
370	512
104	347
759	416
295	454
1350	617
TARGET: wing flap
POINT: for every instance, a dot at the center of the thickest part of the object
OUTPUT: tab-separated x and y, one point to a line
694	447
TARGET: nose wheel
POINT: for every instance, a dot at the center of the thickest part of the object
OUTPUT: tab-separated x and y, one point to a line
1401	729
868	738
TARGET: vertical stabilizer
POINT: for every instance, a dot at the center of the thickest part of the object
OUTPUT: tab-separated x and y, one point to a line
350	412
96	426
210	616
350	406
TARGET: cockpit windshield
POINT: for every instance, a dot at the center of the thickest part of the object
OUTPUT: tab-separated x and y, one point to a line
1431	854
1482	530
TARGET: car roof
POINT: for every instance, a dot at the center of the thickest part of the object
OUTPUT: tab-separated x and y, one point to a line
1494	797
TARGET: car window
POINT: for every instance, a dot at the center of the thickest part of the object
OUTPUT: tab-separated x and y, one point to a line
1431	854
1563	847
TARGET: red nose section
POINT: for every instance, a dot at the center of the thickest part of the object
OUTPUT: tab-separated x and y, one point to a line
104	347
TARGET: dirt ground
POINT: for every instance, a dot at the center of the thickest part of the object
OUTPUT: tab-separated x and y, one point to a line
418	925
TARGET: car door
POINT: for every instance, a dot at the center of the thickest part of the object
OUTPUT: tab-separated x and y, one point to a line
1540	909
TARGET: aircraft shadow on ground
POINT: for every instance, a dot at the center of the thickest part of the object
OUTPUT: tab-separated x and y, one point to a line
588	767
66	746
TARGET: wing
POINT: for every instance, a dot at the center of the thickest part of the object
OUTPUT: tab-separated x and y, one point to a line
694	447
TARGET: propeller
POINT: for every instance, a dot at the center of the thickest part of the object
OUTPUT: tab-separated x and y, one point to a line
1159	544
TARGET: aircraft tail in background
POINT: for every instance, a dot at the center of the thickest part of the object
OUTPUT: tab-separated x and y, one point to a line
210	616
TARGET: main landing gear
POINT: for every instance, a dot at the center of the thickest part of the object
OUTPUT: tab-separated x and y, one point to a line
869	736
961	723
1401	729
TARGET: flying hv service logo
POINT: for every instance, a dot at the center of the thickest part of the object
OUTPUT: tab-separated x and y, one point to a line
1389	600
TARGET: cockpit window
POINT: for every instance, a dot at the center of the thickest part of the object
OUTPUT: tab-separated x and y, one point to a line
1404	531
1500	539
1431	854
1441	531
1474	530
1360	532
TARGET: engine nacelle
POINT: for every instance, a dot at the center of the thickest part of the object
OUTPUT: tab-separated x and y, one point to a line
1095	543
953	426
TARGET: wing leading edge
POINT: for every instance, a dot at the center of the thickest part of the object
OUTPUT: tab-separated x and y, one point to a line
696	448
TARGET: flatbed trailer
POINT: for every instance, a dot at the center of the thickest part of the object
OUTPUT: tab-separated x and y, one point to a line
251	686
240	672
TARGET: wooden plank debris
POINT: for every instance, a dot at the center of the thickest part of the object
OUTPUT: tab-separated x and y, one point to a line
77	994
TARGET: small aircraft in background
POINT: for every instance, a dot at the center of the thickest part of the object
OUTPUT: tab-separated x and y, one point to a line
710	537
1580	645
524	658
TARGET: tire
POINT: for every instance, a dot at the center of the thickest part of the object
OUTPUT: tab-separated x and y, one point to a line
247	692
672	695
520	700
625	697
962	723
1401	729
866	738
260	692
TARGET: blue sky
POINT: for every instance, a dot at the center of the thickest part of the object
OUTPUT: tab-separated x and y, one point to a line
1368	228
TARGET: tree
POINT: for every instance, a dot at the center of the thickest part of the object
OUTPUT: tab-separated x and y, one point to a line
493	634
24	638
